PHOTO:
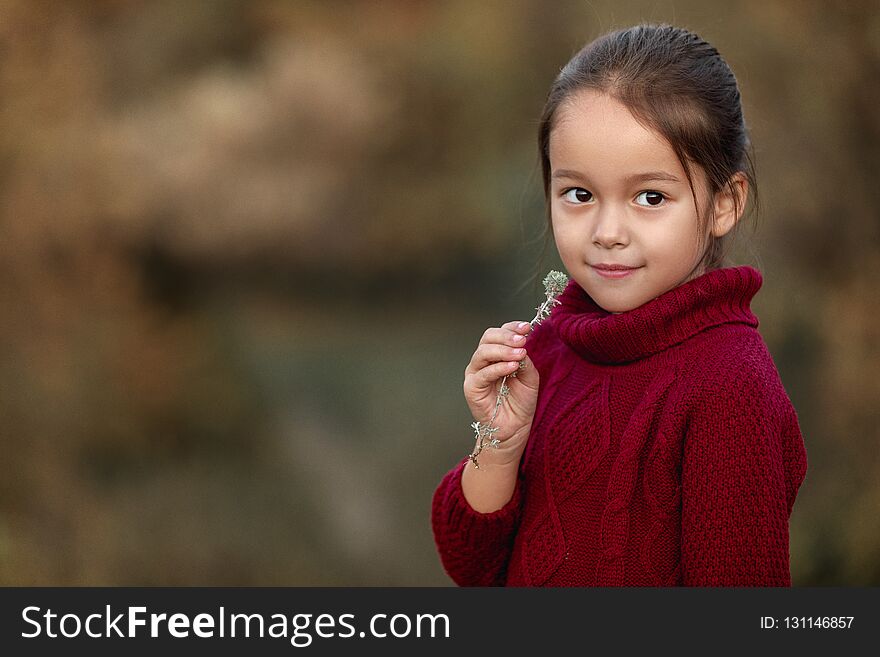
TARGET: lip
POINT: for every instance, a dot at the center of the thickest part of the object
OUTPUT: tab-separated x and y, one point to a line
613	271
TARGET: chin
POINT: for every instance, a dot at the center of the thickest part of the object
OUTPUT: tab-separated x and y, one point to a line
615	308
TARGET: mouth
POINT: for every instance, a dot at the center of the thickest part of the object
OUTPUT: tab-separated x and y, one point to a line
614	271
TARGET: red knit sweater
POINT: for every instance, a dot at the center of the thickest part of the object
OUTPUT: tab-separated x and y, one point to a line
664	451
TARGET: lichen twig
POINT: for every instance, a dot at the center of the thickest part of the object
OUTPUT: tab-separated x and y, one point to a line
554	285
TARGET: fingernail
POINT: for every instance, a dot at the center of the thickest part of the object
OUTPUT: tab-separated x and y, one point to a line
522	325
519	338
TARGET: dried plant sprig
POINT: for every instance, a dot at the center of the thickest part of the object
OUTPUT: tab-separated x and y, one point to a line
554	285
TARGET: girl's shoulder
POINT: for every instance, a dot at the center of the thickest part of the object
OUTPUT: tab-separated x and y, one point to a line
734	361
731	349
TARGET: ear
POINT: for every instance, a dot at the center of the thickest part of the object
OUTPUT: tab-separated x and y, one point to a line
726	215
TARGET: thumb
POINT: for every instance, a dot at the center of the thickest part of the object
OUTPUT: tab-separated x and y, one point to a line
527	374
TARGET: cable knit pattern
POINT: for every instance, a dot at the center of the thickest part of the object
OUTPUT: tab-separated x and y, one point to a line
664	452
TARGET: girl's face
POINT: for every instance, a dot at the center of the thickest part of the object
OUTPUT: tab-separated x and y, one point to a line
620	196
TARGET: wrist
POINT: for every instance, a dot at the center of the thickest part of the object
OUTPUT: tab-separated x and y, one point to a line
507	454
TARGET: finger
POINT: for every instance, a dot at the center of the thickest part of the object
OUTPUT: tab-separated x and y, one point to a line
489	375
528	375
518	326
488	354
507	333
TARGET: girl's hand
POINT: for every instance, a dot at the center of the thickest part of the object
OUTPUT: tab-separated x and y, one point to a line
498	354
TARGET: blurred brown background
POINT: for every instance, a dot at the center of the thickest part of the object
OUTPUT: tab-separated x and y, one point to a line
248	248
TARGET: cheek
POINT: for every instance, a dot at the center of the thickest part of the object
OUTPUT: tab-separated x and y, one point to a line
567	236
674	250
673	233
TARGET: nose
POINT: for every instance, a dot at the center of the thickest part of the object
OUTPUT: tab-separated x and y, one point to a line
609	230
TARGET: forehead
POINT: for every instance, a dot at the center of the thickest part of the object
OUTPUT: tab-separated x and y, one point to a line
598	135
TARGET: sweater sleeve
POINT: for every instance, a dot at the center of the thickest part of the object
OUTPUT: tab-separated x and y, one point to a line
474	547
742	464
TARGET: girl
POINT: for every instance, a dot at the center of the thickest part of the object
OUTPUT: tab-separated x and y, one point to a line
648	440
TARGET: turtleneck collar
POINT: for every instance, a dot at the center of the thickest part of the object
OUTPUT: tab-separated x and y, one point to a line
720	296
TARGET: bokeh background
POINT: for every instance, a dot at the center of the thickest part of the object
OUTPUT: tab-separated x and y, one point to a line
248	247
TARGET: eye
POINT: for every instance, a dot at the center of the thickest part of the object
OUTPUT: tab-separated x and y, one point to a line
581	195
652	198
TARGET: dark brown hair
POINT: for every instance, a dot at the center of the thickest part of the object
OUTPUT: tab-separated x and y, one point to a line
678	85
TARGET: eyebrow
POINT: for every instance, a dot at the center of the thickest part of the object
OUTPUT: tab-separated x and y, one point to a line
633	178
